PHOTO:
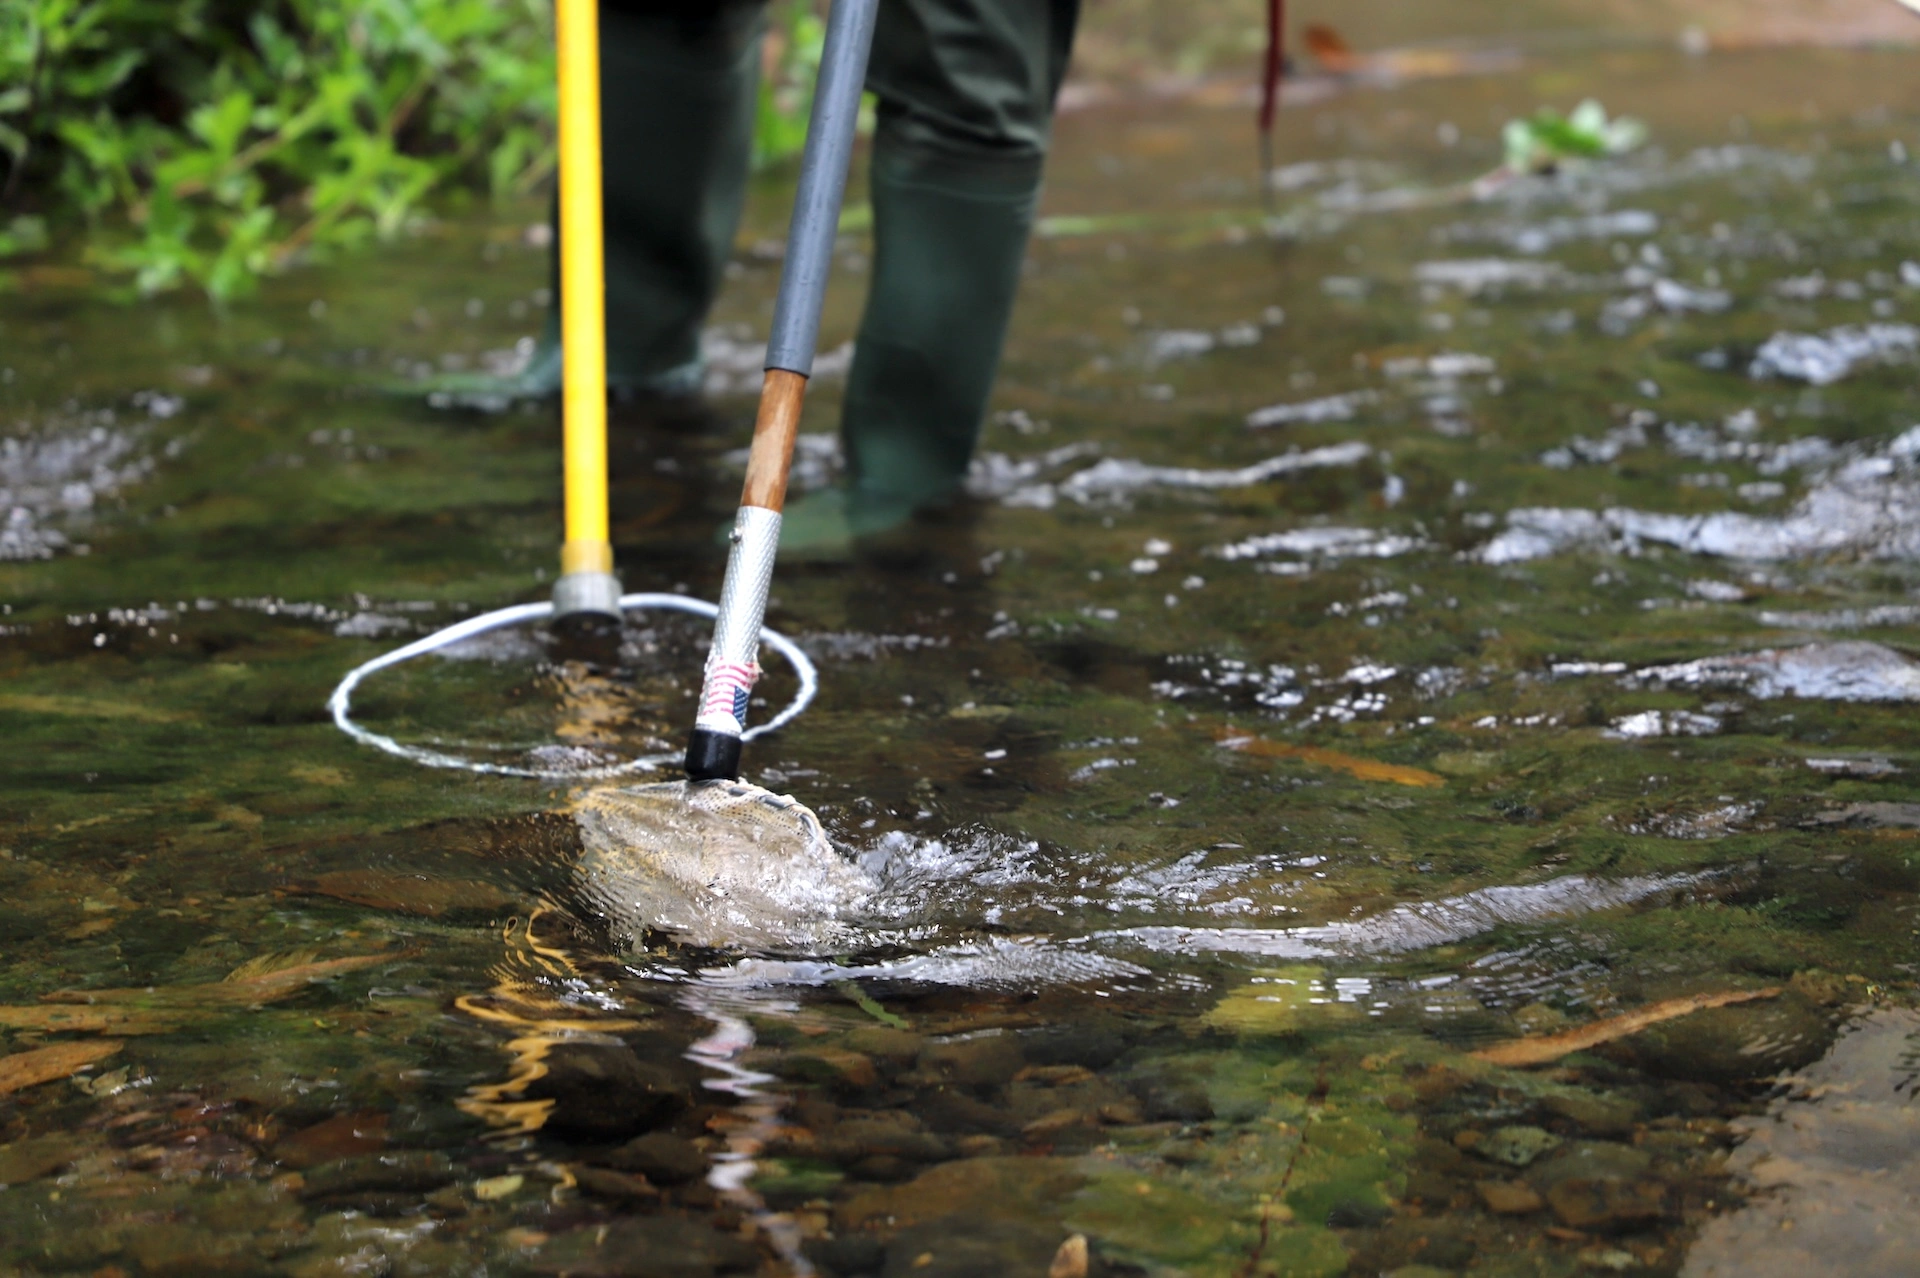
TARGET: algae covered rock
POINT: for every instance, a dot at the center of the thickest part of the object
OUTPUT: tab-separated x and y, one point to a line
1516	1146
1281	1000
1735	1043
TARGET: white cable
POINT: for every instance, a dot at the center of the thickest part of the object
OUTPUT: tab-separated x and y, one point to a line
340	703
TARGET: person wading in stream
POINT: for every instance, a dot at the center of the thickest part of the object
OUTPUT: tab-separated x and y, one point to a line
965	93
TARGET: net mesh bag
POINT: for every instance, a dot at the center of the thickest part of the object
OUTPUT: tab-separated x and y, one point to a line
717	864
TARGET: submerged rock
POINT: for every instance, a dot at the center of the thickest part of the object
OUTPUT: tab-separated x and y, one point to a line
604	1090
411	1171
661	1157
1607	1203
1593	1113
1516	1146
1592	1160
990	1059
1508	1198
982	1246
646	1247
1734	1043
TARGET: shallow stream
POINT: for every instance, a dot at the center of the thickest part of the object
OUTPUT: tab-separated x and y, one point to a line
1406	765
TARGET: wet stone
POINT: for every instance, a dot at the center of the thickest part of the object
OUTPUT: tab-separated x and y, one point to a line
892	1048
986	1060
661	1157
607	1183
846	1255
409	1172
1593	1113
1592	1159
971	1247
1091	1046
342	1136
605	1090
189	1250
648	1247
888	1134
850	1071
1516	1146
1508	1198
1357	1213
30	1159
1607	1203
1823	989
948	1109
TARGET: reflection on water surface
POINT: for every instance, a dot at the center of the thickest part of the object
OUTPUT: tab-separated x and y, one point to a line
1404	769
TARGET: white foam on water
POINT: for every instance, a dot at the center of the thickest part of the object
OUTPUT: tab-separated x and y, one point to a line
1416	926
1480	274
1328	408
1330	543
1821	359
1015	962
1867	507
1116	476
1846	671
55	477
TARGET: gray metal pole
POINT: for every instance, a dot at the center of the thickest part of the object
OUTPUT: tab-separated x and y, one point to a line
823	181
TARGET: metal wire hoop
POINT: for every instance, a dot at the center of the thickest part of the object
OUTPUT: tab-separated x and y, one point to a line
340	704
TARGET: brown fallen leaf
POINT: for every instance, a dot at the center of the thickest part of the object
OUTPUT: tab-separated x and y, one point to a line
1352	764
44	1064
89	1020
247	986
1330	49
1551	1047
1071	1260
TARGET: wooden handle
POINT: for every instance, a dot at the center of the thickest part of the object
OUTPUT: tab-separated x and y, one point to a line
774	430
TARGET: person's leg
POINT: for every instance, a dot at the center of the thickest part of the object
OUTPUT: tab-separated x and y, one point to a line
678	82
678	86
966	91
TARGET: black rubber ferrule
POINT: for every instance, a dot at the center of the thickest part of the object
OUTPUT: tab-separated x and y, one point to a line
713	756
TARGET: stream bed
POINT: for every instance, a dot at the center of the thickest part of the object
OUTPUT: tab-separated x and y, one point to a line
1405	763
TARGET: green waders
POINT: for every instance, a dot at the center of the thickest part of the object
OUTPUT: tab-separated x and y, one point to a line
966	91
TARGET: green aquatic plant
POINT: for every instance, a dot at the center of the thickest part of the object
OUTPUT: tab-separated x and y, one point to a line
1545	140
207	145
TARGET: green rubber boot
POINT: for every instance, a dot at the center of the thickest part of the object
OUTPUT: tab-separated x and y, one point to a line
949	235
678	94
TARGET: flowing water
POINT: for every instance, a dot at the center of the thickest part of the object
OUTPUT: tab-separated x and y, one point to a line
1406	765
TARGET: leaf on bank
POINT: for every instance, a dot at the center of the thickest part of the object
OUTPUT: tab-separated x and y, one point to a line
45	1064
1352	764
1551	1047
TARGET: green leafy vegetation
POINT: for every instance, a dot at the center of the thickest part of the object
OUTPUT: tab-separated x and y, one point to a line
795	39
207	143
1546	139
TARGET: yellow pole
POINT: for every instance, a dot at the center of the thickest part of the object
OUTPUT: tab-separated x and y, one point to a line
583	322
